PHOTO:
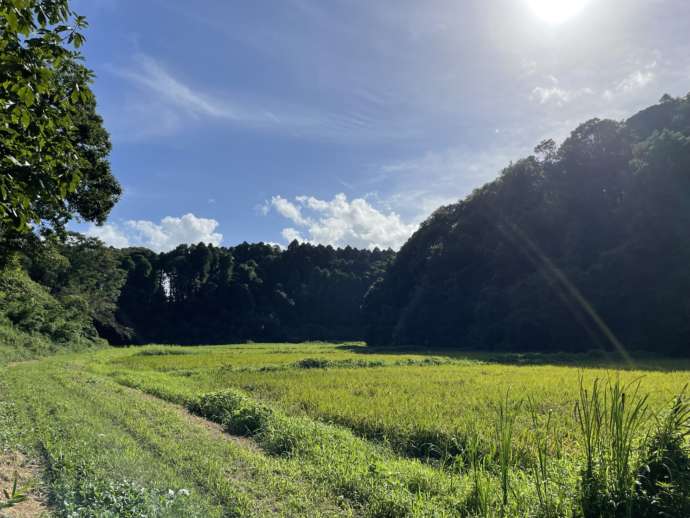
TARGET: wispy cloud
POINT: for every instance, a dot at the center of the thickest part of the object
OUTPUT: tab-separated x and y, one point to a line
152	76
154	79
163	104
636	80
556	94
423	183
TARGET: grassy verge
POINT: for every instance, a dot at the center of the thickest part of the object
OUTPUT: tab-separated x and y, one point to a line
110	451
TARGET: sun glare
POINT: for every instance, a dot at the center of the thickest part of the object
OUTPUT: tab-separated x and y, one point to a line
557	11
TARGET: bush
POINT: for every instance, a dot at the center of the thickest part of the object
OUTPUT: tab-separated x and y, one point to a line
664	476
236	411
620	480
26	308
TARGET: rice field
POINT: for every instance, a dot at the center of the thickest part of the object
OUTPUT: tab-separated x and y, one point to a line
340	430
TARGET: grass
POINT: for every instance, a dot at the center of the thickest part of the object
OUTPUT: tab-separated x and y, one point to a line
418	410
338	430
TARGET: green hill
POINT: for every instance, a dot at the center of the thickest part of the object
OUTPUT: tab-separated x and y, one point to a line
578	247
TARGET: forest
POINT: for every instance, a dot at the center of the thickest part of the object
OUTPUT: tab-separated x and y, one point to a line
582	246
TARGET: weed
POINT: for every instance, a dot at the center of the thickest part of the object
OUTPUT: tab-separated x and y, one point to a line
664	475
505	422
12	497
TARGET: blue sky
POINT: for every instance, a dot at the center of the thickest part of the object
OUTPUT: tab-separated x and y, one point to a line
350	121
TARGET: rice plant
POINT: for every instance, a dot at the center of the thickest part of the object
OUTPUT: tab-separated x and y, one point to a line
542	433
358	438
479	500
505	421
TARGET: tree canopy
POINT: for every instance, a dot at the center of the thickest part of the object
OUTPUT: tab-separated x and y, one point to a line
206	294
577	247
53	147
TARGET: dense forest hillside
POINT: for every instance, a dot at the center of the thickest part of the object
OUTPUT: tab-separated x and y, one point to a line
577	247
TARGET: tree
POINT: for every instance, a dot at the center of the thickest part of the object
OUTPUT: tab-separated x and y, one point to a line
53	147
81	268
584	247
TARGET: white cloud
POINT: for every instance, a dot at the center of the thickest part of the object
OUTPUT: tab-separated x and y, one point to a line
163	236
290	234
340	222
288	210
149	74
164	104
557	95
636	80
109	234
551	94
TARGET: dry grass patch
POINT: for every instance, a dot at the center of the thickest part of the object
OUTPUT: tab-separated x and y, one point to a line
27	472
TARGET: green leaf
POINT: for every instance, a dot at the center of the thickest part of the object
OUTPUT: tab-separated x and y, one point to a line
12	21
26	119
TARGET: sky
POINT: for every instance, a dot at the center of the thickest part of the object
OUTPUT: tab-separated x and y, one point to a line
348	122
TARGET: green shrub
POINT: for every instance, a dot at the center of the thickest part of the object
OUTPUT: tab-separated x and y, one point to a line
163	352
664	475
34	323
621	480
237	412
312	363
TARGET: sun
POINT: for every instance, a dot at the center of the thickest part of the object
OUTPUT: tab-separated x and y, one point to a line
557	11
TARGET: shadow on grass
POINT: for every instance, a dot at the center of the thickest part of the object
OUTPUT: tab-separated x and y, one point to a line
595	359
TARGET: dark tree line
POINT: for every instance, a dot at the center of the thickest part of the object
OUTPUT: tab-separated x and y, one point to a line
205	294
577	247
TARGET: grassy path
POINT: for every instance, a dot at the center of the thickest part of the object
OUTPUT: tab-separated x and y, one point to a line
87	426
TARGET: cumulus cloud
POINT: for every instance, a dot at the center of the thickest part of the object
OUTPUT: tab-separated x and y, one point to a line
110	235
288	210
161	237
340	222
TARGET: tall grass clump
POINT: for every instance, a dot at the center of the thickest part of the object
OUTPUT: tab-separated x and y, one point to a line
542	470
479	500
664	474
610	420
